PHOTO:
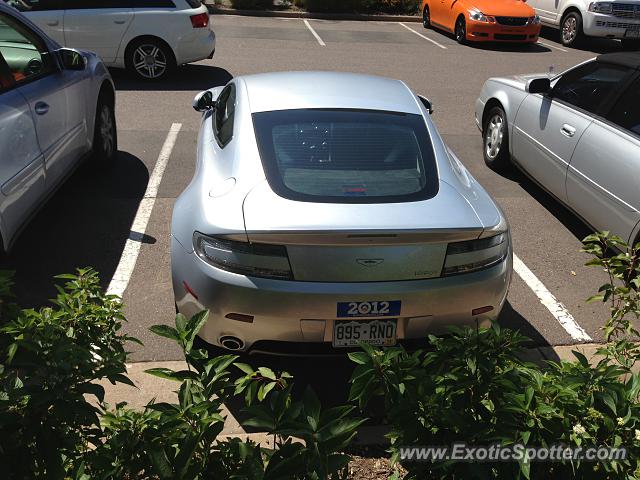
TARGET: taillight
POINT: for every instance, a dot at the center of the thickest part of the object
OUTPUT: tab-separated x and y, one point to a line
251	259
473	255
200	21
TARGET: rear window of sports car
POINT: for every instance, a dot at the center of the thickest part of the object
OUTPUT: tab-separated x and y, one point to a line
347	156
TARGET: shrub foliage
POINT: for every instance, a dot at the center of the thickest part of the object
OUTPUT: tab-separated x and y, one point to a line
471	386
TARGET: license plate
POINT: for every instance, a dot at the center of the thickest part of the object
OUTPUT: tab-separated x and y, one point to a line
380	333
388	308
632	33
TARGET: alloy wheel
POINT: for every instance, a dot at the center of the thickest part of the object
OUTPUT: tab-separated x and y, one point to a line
461	31
149	61
569	29
494	136
426	17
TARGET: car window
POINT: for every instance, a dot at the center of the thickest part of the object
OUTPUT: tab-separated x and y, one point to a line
96	4
626	112
225	115
36	5
347	156
588	87
24	52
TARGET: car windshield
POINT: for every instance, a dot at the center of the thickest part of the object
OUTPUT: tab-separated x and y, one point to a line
347	156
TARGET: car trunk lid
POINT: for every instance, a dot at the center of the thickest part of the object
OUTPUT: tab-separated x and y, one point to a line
361	242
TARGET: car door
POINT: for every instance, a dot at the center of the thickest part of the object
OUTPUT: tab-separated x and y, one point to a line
46	14
97	25
54	102
22	180
604	174
547	128
546	9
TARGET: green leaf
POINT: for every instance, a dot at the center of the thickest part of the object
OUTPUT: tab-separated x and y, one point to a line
267	373
166	331
181	323
169	374
160	462
312	406
264	390
245	368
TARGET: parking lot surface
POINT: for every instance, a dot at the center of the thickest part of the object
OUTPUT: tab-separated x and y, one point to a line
89	221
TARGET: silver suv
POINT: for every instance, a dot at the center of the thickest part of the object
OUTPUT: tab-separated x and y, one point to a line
56	108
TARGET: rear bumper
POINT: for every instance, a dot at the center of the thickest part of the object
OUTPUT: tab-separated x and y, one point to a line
608	26
492	32
304	312
197	47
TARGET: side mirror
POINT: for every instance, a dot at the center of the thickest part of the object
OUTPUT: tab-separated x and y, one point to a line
72	59
428	104
538	85
203	101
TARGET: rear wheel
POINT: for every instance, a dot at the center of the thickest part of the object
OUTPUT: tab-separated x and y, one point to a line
571	29
461	30
105	135
426	17
149	59
630	45
495	136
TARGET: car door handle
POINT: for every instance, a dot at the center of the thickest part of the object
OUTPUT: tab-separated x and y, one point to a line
119	22
41	108
568	130
53	23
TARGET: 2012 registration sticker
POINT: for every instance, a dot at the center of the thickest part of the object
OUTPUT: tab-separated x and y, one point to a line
375	308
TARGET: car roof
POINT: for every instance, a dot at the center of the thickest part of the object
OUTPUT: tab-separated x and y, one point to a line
626	59
302	90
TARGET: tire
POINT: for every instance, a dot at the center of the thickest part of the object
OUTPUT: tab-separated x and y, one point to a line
149	59
426	17
461	30
495	140
630	45
105	134
571	33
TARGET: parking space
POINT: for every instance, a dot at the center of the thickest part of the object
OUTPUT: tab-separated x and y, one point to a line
89	220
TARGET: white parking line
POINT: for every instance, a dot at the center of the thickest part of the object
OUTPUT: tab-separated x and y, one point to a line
320	41
423	36
557	309
127	263
553	46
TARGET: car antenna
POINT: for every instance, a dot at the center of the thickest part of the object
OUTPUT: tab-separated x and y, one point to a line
552	69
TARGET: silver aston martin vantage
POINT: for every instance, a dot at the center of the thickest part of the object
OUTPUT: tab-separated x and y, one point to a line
325	210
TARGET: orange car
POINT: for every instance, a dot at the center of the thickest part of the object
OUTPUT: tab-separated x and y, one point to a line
483	20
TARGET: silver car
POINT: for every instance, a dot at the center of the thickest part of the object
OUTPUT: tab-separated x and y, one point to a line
56	108
576	134
326	210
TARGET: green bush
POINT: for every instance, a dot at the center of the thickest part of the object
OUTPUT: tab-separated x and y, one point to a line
49	428
472	387
50	358
329	5
389	6
252	4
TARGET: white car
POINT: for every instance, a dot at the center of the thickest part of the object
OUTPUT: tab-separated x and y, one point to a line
577	19
148	37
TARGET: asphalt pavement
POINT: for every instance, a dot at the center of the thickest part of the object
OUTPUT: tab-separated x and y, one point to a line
89	221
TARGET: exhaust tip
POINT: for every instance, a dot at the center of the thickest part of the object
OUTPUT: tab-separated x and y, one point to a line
231	343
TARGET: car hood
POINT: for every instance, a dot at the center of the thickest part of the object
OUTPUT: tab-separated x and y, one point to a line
270	218
519	81
503	8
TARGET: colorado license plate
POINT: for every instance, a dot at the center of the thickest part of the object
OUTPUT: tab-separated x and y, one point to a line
381	333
